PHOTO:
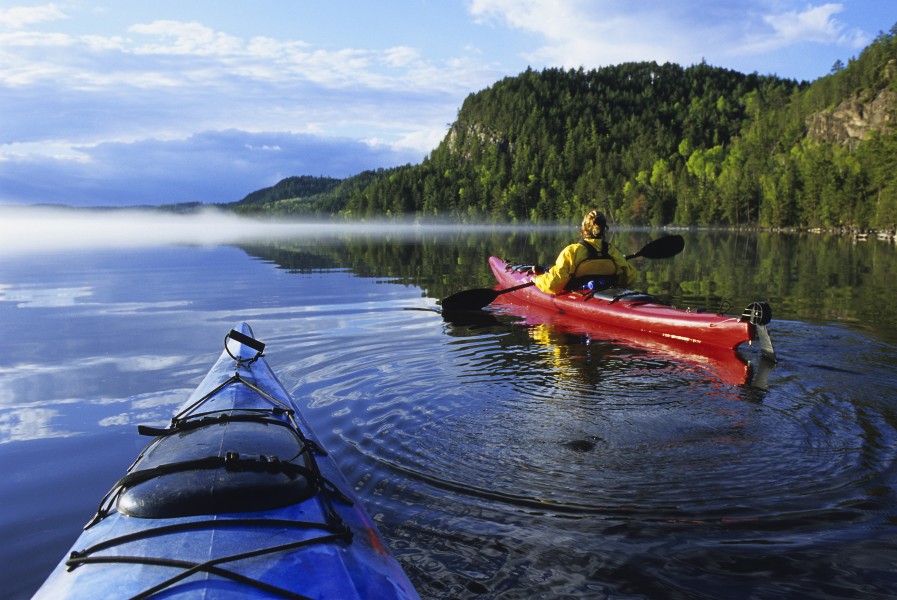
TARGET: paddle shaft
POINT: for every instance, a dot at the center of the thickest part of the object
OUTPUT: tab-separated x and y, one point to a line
515	288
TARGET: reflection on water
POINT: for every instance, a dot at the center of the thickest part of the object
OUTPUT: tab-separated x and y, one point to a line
805	277
502	457
33	297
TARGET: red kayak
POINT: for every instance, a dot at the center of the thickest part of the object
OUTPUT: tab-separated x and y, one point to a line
641	316
729	367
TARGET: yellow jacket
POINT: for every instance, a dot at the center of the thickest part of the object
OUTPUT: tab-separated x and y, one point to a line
573	261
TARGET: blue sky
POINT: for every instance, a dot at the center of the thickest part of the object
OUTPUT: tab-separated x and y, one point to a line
136	102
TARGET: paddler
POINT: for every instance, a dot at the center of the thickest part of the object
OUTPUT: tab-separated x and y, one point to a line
592	259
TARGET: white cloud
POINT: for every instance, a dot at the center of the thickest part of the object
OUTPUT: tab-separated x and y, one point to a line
17	17
591	34
402	56
175	37
85	117
815	24
602	32
183	56
414	141
176	53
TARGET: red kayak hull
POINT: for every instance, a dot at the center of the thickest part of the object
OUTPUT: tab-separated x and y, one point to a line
633	315
728	366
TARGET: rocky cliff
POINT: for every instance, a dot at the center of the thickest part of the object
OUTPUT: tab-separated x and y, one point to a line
854	120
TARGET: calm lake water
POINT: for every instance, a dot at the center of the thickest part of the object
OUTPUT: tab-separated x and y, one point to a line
501	457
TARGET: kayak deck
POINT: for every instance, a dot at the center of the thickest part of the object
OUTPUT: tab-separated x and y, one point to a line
235	498
640	314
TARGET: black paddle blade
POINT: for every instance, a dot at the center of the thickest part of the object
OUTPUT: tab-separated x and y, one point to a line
664	247
469	300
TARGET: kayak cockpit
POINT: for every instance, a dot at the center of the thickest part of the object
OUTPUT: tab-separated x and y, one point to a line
235	449
179	475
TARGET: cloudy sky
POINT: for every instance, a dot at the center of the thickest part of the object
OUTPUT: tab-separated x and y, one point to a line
136	102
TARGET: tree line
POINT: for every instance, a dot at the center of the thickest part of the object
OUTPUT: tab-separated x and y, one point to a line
651	145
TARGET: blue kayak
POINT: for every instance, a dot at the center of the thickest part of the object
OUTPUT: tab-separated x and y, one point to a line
234	499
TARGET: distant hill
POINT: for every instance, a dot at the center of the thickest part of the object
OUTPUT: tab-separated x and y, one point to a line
650	144
291	190
305	196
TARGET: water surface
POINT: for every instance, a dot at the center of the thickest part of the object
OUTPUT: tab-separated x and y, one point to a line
501	458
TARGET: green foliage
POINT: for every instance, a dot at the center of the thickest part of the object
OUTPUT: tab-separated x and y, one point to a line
287	189
303	196
650	145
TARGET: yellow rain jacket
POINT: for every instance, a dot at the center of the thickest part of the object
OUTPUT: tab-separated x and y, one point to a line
575	262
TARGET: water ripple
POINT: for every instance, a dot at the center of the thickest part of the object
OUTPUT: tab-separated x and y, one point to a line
461	423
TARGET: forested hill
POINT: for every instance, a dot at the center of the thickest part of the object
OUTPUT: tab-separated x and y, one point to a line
652	145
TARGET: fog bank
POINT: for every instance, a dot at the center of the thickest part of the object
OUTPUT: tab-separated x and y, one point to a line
47	229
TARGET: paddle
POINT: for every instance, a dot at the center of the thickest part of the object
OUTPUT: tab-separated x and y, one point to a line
476	299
